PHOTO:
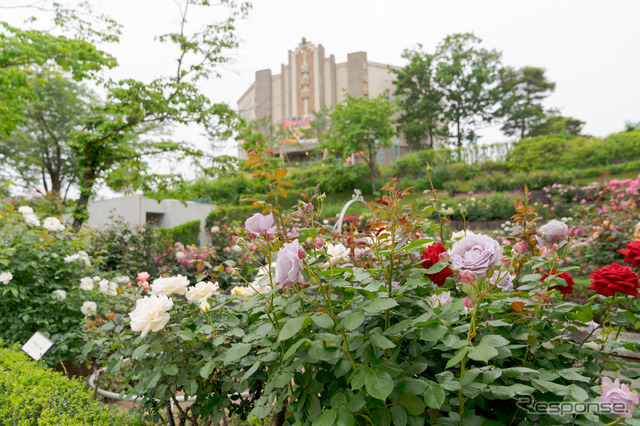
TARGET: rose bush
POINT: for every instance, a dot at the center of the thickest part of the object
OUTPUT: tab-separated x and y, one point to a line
374	340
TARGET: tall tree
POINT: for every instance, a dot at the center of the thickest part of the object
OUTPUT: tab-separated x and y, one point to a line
320	129
38	150
362	124
24	53
553	123
522	93
467	74
422	116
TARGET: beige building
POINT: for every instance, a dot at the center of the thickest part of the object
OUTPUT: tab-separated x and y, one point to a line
307	82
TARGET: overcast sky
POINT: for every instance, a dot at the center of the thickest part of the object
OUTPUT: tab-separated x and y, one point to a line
589	48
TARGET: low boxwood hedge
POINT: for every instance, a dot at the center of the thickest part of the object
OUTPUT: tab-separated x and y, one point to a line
31	394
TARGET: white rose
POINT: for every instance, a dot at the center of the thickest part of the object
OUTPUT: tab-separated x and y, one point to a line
96	278
52	224
60	294
262	282
6	277
338	254
200	292
86	283
150	314
215	229
240	291
31	219
236	248
122	279
180	255
437	301
25	210
108	288
170	285
89	308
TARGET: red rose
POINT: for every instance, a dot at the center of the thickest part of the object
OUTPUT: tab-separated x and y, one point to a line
606	281
564	289
431	256
632	253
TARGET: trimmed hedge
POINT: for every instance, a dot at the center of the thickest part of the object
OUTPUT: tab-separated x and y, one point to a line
511	181
31	394
187	233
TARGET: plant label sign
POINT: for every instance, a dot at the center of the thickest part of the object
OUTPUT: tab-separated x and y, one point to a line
37	346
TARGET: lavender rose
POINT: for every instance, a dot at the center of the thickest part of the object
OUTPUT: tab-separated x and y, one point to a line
288	264
505	283
625	399
554	232
475	253
259	224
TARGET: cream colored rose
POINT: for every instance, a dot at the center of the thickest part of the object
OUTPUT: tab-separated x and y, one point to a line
108	288
60	294
6	277
200	292
53	224
89	308
86	284
262	282
338	254
150	314
170	285
240	291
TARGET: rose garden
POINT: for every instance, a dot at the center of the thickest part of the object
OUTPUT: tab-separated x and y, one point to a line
459	284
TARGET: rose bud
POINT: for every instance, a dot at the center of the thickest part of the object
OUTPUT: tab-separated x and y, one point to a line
520	247
469	302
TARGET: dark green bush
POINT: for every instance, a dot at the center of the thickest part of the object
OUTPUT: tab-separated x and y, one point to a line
31	394
235	215
414	164
187	233
480	208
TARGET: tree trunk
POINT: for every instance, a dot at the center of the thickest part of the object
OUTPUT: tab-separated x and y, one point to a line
459	135
80	212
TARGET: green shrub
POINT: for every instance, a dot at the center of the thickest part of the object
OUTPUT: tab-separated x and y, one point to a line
235	215
187	233
31	394
481	208
414	164
533	180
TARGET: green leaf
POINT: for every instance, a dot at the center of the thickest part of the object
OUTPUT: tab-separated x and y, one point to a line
205	370
379	384
482	353
294	348
494	341
154	380
342	367
353	320
328	418
433	332
140	350
413	403
250	371
505	392
457	357
547	386
236	352
416	243
323	321
191	387
519	371
291	327
379	305
434	396
436	268
573	376
381	341
398	415
170	370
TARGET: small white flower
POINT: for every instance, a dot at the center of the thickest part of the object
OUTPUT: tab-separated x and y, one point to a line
458	235
96	278
437	301
86	284
170	285
6	277
262	282
122	279
150	314
180	255
200	292
108	288
325	222
81	256
25	210
337	254
215	229
31	219
89	308
240	291
236	248
60	294
52	224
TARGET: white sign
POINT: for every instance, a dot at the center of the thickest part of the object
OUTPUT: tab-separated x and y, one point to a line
37	346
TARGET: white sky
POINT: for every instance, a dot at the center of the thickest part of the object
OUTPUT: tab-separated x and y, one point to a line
589	48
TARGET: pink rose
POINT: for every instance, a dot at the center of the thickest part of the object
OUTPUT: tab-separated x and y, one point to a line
617	394
520	247
553	232
469	302
288	264
143	276
475	253
259	224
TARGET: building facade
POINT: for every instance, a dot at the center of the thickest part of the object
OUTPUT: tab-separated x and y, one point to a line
307	82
